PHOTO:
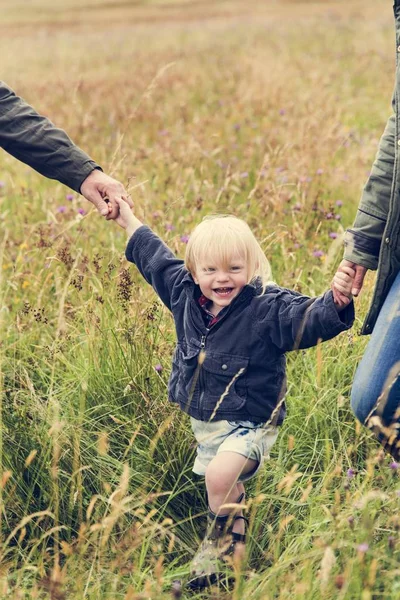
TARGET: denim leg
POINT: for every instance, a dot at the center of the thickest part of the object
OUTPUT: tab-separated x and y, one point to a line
375	395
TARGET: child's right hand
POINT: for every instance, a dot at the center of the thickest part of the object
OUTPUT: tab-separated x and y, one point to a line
126	219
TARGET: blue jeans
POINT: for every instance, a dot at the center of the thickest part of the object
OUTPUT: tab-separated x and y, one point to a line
375	395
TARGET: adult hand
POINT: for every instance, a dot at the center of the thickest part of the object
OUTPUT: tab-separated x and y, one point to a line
358	281
103	191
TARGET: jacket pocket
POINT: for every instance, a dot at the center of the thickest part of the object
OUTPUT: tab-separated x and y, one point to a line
224	381
186	372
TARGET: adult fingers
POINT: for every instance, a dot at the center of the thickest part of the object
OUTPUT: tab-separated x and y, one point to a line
358	280
100	203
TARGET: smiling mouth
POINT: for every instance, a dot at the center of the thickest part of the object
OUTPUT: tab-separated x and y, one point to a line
223	290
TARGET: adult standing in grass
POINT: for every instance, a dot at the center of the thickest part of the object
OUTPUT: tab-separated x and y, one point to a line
34	140
373	242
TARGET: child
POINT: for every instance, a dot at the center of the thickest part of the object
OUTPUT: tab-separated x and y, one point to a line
228	371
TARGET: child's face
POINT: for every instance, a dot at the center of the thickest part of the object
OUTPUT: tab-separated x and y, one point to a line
221	283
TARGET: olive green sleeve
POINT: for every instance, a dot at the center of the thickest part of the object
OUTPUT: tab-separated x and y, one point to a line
34	140
363	239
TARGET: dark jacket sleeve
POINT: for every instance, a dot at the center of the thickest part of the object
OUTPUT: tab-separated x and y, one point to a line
157	263
363	239
293	321
34	140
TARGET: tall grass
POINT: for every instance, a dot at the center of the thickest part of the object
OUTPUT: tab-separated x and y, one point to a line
272	113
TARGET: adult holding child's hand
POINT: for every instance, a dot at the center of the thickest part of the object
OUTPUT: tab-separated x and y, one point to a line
34	140
104	192
373	242
358	275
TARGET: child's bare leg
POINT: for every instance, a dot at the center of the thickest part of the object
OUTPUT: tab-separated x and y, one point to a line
222	483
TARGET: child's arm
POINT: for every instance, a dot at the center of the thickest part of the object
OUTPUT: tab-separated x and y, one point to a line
292	321
126	219
155	261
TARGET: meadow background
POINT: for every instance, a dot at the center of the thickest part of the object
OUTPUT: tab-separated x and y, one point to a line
272	111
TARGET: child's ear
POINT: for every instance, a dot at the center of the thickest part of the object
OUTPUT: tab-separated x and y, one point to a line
195	278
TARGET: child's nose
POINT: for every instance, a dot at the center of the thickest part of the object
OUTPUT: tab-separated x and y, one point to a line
222	276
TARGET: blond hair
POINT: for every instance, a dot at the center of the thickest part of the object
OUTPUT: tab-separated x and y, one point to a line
220	237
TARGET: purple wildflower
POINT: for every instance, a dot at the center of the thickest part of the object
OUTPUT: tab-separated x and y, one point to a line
364	547
184	238
318	253
244	174
282	111
319	171
394	465
296	245
69	197
158	368
339	203
333	235
169	227
297	207
61	209
236	127
350	473
329	215
338	217
81	211
163	132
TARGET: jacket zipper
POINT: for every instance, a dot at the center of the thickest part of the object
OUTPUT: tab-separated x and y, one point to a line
201	376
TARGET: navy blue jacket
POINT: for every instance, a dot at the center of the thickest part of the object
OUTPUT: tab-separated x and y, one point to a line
236	370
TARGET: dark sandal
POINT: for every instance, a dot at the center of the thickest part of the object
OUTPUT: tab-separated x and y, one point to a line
220	541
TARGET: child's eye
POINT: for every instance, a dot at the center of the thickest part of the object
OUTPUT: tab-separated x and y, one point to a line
235	268
209	269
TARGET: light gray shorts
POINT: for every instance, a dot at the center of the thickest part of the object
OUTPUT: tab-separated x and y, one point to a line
252	440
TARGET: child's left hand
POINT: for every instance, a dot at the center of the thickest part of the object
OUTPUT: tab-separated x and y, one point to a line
342	282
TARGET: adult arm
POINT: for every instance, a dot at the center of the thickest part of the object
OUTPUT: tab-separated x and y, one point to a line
363	239
35	141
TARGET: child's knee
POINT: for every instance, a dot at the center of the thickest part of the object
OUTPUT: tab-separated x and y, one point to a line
218	479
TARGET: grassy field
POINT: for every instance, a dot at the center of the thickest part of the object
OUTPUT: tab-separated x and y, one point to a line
271	111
